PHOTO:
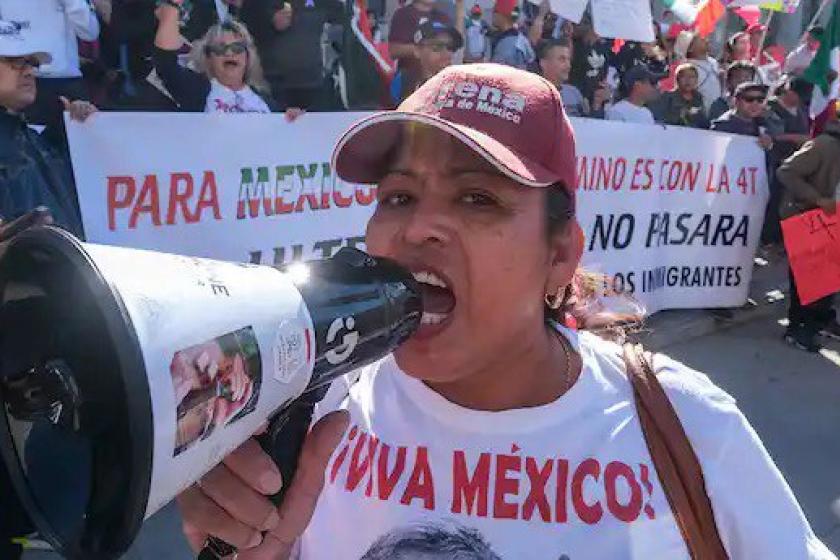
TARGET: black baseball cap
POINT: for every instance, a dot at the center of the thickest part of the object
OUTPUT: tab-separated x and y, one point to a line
430	29
640	73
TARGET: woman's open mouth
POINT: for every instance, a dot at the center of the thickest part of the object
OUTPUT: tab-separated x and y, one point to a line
438	300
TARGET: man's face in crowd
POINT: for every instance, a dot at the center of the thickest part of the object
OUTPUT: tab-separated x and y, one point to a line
792	98
738	77
741	49
502	21
750	104
228	60
17	82
699	48
813	42
687	81
435	54
645	90
557	64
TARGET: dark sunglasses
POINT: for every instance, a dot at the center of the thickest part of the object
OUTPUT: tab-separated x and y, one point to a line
21	62
754	99
221	49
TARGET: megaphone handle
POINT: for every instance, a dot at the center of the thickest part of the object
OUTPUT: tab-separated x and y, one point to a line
283	442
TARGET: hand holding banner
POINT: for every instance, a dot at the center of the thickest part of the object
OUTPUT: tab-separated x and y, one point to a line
812	241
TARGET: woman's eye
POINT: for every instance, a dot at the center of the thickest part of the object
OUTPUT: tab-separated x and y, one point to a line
395	200
478	199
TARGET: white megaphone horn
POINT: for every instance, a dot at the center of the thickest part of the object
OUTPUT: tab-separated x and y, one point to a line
126	375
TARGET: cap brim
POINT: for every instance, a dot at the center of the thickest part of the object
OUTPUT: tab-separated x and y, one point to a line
362	153
42	56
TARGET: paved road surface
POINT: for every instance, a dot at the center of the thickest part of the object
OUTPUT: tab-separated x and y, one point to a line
792	398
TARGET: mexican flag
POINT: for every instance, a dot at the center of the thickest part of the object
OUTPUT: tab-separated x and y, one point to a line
702	17
366	69
708	14
823	69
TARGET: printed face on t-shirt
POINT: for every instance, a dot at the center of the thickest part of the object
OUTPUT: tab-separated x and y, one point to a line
446	211
431	541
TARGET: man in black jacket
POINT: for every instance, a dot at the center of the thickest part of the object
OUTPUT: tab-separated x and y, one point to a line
34	168
288	35
36	187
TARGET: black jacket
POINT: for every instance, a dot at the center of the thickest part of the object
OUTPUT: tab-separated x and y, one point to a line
294	56
35	172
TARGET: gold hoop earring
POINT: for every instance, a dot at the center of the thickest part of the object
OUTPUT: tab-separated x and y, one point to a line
555	301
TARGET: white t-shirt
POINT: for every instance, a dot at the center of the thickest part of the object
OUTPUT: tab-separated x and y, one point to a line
222	99
628	112
418	477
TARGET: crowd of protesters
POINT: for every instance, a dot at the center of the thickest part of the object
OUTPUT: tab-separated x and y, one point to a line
243	56
129	55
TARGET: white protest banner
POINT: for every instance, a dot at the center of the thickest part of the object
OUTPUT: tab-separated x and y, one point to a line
571	10
672	214
241	188
623	19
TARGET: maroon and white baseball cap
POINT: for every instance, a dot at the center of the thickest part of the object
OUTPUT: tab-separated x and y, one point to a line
512	118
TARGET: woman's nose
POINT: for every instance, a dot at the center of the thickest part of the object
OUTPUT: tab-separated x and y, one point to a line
428	223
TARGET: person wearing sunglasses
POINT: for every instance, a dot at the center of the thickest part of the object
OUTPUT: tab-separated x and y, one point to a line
56	26
34	167
748	115
437	44
226	75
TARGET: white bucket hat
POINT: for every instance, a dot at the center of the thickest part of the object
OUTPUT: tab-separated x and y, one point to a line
13	42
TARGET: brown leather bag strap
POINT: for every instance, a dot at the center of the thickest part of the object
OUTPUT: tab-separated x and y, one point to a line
676	463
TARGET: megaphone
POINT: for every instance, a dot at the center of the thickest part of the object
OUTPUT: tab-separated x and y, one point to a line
126	375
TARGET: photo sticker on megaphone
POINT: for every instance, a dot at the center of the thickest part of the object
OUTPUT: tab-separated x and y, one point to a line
216	383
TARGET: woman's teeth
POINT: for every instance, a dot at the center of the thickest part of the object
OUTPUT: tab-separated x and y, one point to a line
425	277
438	288
429	318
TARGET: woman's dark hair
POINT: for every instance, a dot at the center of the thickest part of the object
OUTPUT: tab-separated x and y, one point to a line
432	539
582	303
